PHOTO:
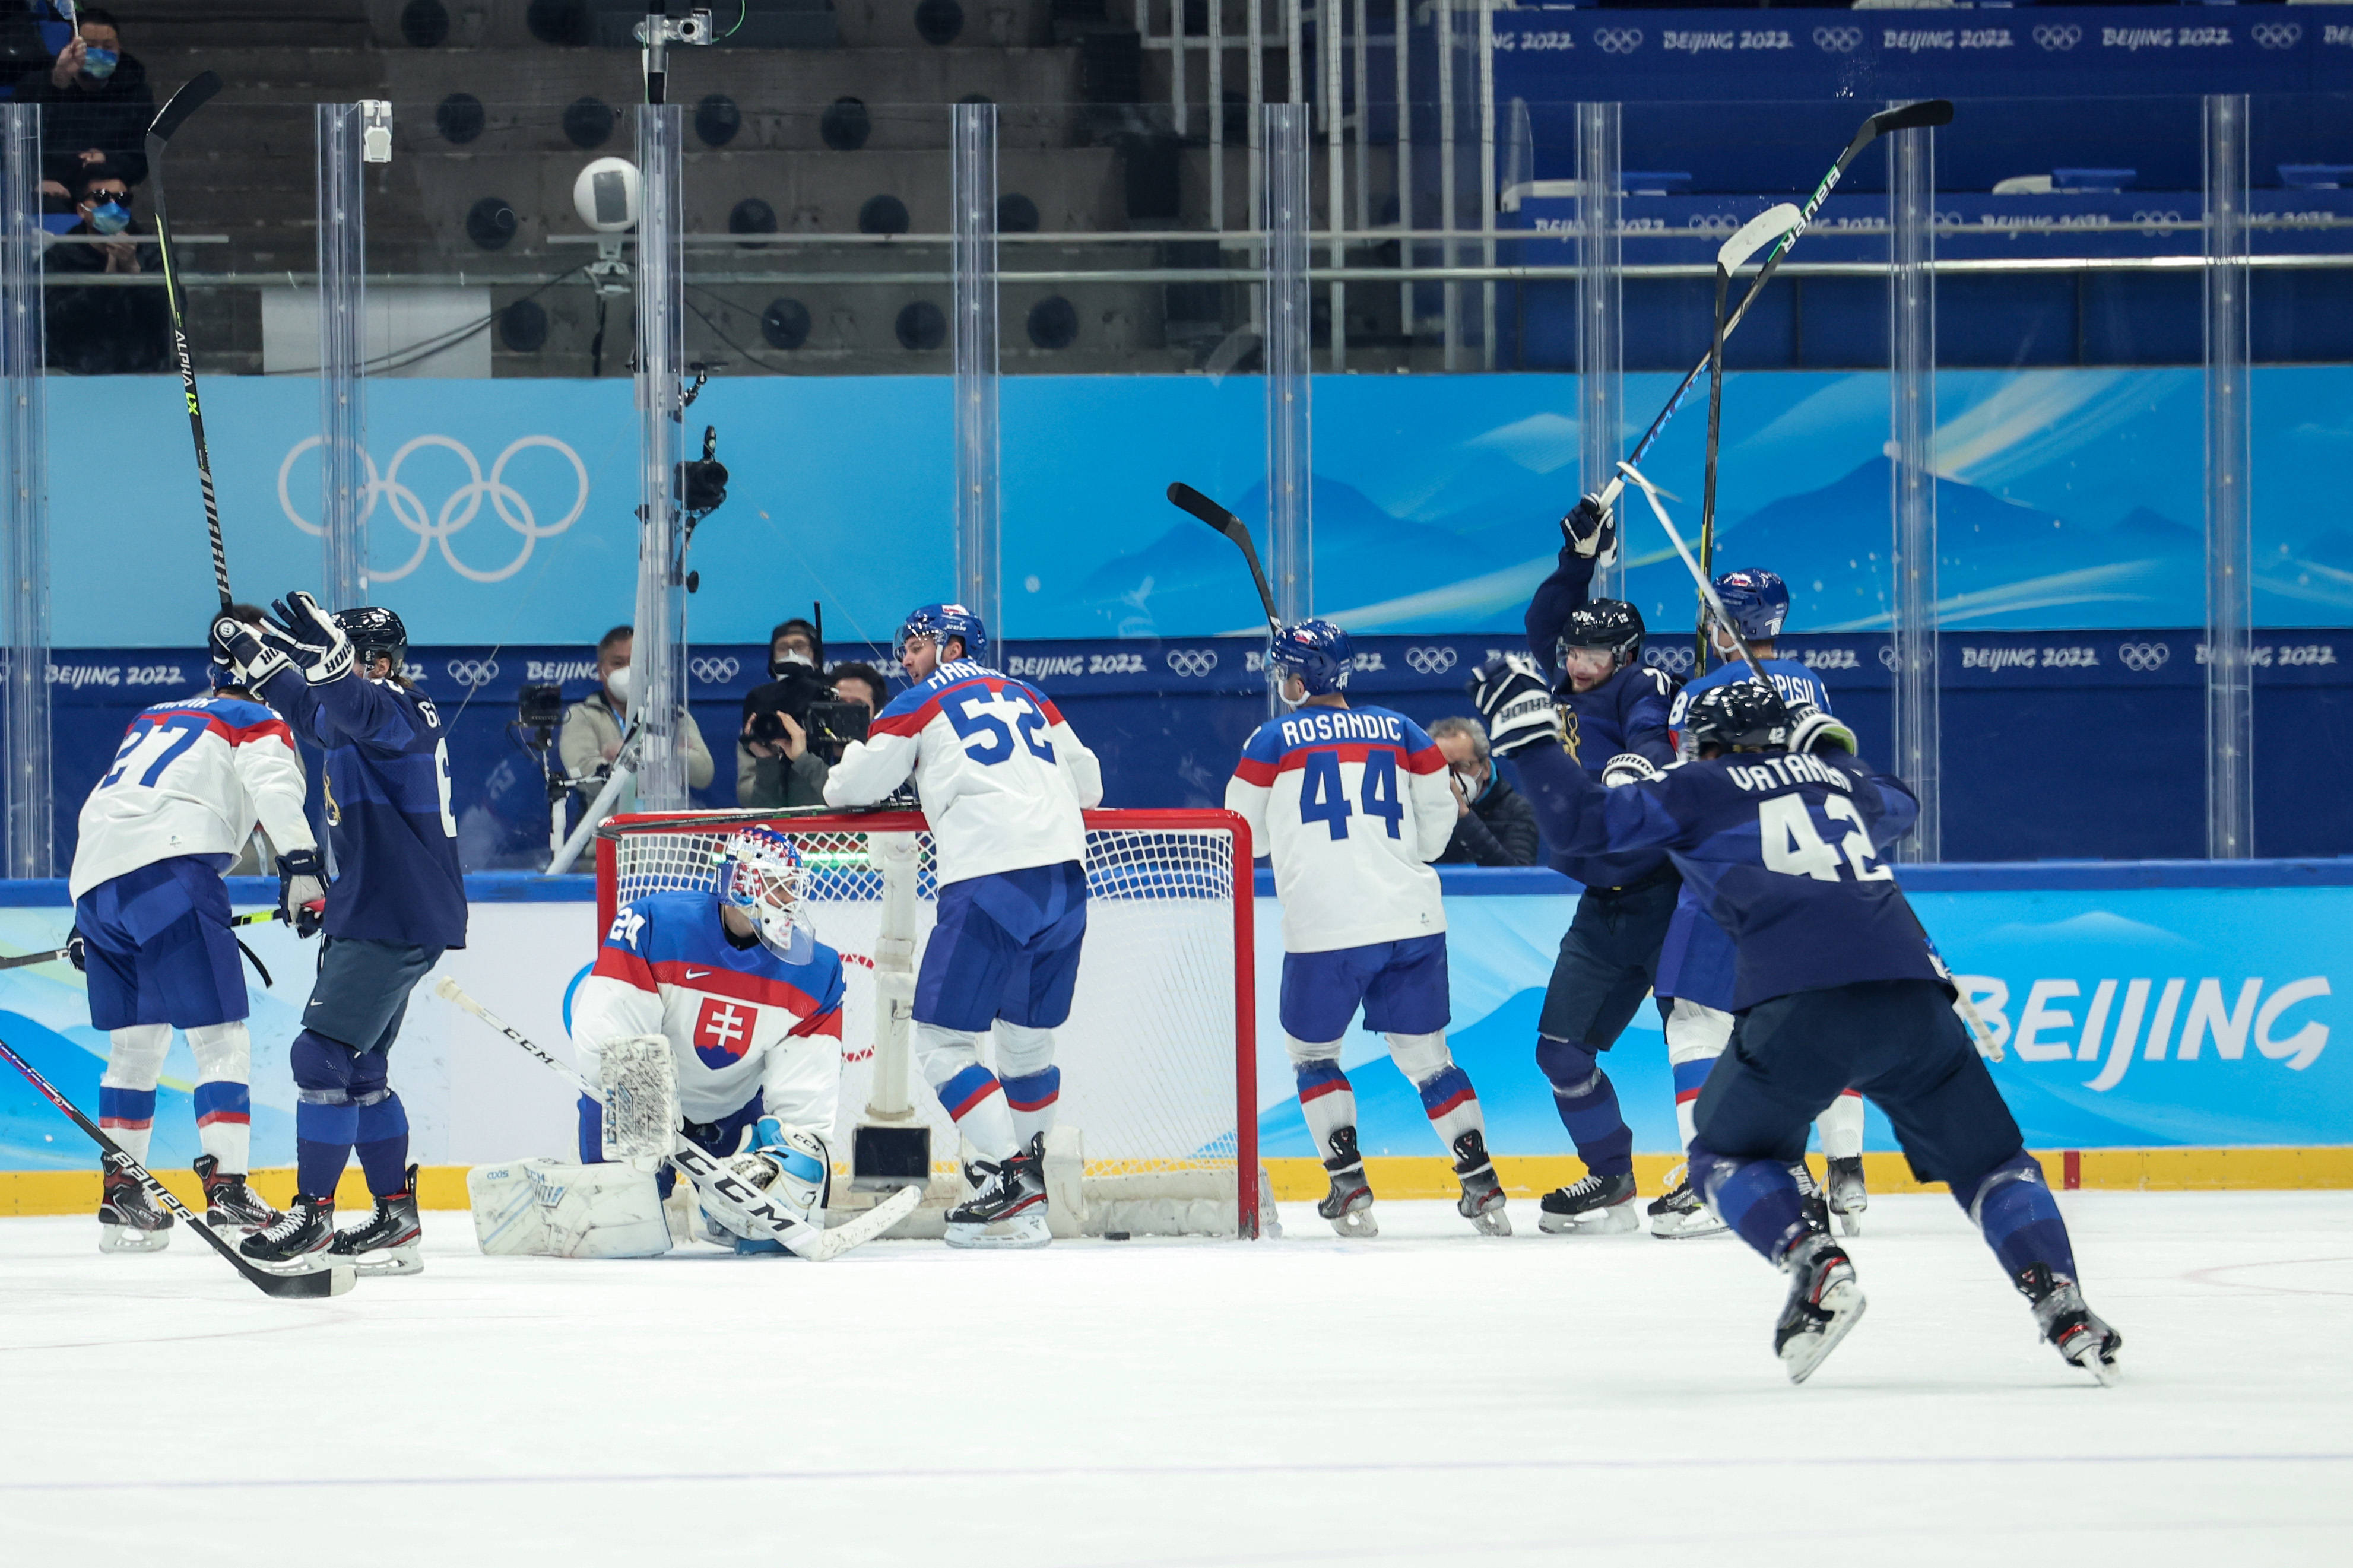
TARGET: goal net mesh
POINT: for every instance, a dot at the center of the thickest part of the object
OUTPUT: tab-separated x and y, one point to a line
1151	1063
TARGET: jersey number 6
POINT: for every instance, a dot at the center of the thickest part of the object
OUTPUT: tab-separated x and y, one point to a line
1323	796
1000	746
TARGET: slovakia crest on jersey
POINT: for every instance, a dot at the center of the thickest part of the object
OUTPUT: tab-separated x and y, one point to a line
722	1031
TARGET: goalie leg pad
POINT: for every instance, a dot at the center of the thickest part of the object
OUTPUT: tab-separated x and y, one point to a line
549	1209
637	1077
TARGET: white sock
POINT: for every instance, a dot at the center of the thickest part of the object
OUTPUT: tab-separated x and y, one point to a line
1840	1127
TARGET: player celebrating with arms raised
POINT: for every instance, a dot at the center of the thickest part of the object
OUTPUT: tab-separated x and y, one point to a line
1004	782
1351	804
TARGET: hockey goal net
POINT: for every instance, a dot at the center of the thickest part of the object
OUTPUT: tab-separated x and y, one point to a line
1156	1129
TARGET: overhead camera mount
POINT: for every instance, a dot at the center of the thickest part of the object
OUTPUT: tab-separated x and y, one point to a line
658	31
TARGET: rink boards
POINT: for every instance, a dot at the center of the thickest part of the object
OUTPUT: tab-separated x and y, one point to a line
2155	1033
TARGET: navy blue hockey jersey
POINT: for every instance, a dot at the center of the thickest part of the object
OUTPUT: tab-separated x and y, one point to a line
397	877
1781	849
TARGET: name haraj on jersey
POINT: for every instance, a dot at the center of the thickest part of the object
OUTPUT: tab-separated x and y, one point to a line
1351	804
738	1020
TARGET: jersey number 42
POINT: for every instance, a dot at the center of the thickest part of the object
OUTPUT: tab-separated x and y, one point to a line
1794	847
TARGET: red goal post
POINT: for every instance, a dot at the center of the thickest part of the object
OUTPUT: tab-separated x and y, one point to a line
1159	1057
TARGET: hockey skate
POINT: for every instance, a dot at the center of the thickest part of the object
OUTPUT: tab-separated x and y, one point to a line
288	1243
1008	1206
1482	1202
1825	1303
1846	1194
390	1241
1591	1206
229	1203
2074	1331
1681	1214
129	1217
1810	1193
1349	1205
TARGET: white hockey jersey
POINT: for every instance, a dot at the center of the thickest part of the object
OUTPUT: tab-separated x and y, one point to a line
739	1020
1351	804
1002	776
192	777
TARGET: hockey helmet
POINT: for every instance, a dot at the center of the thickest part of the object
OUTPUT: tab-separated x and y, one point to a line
939	623
761	872
1612	624
1738	716
1757	600
1318	652
376	633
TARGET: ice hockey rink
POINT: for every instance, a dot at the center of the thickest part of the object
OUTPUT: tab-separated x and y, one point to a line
1428	1397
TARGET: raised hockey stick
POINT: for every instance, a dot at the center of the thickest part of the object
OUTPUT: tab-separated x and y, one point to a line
1746	241
815	1242
1926	113
332	1281
199	92
1184	498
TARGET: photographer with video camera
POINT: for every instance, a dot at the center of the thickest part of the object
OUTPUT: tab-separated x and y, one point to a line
796	726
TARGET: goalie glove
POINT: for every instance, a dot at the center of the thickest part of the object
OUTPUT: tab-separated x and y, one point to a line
1589	530
312	639
241	647
1811	730
302	890
1629	767
1512	696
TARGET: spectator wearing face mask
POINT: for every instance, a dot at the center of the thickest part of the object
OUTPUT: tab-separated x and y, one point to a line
593	728
104	329
95	104
1493	823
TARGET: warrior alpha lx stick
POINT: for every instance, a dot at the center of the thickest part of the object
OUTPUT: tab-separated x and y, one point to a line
175	114
1751	238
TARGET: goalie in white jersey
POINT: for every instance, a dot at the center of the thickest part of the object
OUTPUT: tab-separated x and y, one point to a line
749	1004
152	927
1351	804
1004	782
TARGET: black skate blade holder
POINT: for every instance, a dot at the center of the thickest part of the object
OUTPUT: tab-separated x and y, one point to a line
884	1159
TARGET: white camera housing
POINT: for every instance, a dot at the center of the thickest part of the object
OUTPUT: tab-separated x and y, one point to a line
608	196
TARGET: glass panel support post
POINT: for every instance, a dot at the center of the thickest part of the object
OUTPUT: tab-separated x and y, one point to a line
978	508
658	655
1600	315
1912	453
2230	603
1289	504
24	512
344	469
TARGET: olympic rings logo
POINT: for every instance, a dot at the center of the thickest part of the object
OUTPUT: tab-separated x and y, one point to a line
2277	34
2143	656
1837	40
1887	656
1618	40
712	671
1430	661
473	673
462	506
1191	661
1674	660
2059	39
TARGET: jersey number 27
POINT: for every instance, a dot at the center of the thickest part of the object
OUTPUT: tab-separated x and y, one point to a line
1795	848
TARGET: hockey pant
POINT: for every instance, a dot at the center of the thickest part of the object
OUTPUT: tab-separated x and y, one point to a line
1697	1036
342	1099
224	1104
1329	1103
998	1113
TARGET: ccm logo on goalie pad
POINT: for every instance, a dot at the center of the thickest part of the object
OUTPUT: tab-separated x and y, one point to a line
722	1031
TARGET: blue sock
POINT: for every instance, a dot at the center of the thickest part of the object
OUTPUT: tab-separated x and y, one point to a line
1587	1104
383	1138
324	1135
1758	1198
2012	1205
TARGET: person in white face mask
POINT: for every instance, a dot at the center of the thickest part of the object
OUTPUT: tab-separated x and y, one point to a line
593	728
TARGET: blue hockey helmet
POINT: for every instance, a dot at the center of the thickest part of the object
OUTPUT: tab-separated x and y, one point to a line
1757	600
939	623
1318	652
761	872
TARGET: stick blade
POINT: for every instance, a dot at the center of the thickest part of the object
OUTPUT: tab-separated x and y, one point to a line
332	1280
1184	498
1926	114
1757	233
199	92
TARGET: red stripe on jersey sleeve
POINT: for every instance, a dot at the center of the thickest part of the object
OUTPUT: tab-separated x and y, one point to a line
910	723
266	730
1251	771
826	1025
619	964
1429	760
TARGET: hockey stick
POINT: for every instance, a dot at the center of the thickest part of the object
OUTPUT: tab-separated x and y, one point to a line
199	92
815	1242
1746	242
332	1281
1184	498
1928	112
255	918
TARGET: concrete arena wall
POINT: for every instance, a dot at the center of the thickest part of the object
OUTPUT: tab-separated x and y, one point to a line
2164	1025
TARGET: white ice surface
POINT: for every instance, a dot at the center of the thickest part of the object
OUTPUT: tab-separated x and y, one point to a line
1429	1397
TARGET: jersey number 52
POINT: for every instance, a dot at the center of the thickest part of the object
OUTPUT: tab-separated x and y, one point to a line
974	712
1795	848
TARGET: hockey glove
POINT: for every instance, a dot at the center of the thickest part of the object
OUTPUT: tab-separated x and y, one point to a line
301	890
75	953
1811	730
242	647
317	642
1589	530
1512	696
1629	767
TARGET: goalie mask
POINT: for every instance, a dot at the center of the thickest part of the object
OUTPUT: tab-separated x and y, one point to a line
760	873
